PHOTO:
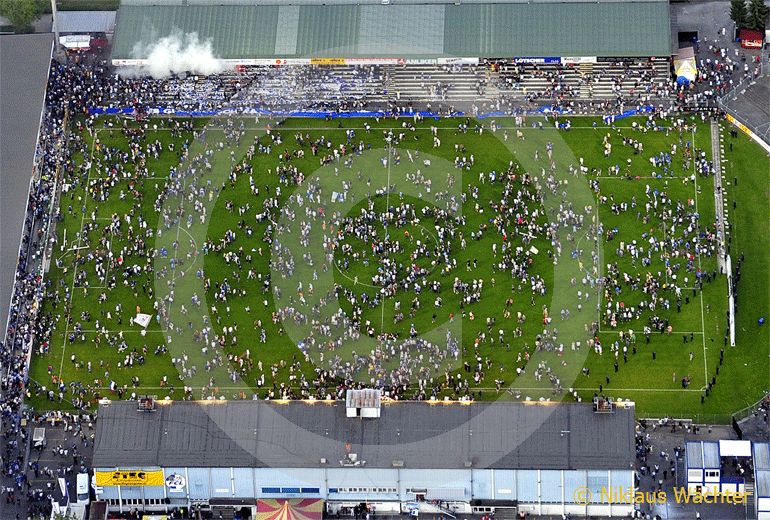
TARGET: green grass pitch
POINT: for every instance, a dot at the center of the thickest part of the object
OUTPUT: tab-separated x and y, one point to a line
119	231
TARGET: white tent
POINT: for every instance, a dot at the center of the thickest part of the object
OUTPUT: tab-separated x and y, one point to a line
684	65
730	448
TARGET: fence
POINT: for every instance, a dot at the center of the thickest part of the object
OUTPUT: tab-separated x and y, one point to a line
749	410
744	83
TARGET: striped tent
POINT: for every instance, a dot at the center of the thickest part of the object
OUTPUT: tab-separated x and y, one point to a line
289	509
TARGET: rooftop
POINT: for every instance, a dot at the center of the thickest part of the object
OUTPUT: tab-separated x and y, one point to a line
86	21
295	434
264	29
762	455
702	454
762	469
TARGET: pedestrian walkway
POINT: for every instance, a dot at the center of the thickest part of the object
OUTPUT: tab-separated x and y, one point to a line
717	149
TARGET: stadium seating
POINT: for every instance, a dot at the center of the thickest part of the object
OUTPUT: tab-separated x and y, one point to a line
351	87
438	83
283	86
601	80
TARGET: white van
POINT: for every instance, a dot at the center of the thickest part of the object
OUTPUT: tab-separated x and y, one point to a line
82	489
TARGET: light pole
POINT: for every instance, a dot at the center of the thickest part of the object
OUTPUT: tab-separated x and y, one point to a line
58	52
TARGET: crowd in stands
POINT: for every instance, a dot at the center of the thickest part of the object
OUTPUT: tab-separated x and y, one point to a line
494	86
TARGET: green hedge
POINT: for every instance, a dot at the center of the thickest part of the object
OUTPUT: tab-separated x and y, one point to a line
80	5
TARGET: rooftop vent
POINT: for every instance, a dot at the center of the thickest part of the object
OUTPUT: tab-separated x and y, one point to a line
603	405
146	404
363	403
352	460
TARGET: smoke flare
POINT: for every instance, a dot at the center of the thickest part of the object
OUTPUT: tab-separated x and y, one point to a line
178	53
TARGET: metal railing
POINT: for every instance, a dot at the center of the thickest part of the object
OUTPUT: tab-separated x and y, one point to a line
741	86
749	410
763	130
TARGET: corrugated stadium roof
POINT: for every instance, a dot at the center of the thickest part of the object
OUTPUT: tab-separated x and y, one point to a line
405	29
349	2
296	435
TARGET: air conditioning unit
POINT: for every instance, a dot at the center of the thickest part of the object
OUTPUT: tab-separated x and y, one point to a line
603	405
363	403
352	461
146	403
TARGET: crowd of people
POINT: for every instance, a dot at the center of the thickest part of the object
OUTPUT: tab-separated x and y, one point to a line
69	91
510	88
405	367
686	240
721	67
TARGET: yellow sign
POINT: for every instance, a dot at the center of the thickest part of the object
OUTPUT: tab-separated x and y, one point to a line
136	477
327	61
740	125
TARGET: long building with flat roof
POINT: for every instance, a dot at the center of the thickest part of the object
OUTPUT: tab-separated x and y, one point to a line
243	30
529	456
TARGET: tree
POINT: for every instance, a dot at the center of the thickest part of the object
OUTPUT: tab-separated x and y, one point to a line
757	15
738	12
21	13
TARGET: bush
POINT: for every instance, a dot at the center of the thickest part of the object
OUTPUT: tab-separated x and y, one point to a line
21	13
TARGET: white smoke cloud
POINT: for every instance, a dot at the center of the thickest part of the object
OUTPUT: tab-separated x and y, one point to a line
178	53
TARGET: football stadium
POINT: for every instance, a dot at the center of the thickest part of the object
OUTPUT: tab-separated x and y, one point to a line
305	259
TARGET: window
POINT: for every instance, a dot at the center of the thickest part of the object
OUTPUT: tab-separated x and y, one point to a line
310	490
271	490
370	490
289	490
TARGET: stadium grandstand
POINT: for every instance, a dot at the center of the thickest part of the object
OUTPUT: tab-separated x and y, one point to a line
416	50
229	456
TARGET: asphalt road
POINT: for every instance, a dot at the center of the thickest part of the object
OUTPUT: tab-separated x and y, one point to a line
752	106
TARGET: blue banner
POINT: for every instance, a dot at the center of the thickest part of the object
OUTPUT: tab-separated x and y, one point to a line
538	59
628	113
263	112
548	109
